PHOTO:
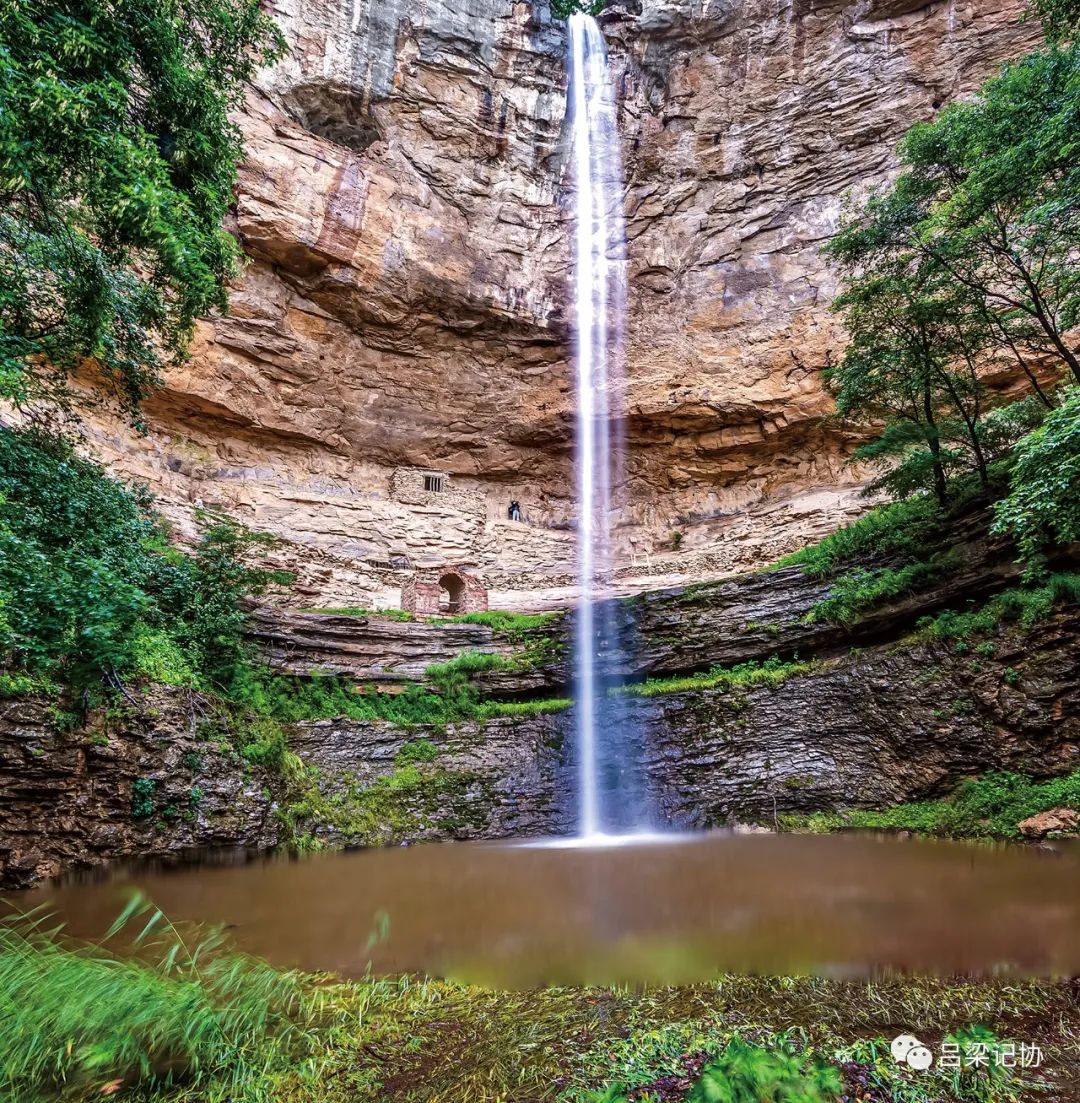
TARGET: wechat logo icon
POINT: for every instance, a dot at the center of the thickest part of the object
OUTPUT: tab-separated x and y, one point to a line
908	1050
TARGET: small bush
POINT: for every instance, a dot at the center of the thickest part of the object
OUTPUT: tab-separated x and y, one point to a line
746	1073
1043	506
142	797
419	750
902	529
1023	606
853	594
91	593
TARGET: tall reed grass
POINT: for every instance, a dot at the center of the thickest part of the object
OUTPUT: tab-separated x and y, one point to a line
79	1019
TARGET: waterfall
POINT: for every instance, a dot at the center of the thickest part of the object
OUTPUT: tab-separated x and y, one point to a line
611	792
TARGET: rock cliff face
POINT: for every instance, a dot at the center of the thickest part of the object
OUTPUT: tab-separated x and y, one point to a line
893	719
404	208
149	783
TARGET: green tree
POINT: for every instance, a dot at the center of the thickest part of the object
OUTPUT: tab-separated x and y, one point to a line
117	167
563	9
965	261
912	366
1060	18
91	591
989	200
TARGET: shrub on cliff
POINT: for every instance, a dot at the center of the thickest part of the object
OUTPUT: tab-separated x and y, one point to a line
91	593
117	167
1043	506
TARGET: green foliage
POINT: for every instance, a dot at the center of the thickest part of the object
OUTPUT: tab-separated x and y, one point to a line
265	743
1019	605
852	594
986	807
563	9
745	1073
90	590
1060	18
899	529
117	167
76	1021
772	672
262	695
392	807
416	751
362	611
967	257
512	626
1043	506
142	797
990	1080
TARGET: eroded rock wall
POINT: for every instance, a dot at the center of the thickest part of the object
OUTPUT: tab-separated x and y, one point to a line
897	717
147	781
404	209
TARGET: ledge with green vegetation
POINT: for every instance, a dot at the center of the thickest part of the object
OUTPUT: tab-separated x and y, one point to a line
772	672
993	806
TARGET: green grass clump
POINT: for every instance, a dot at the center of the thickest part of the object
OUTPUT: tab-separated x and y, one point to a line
746	1073
361	611
392	807
491	710
1023	606
78	1021
902	529
263	702
415	751
503	622
772	672
854	593
986	807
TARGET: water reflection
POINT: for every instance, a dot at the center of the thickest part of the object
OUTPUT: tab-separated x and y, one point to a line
673	911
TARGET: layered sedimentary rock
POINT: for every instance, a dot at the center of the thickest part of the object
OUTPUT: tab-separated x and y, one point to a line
403	205
898	717
885	724
149	781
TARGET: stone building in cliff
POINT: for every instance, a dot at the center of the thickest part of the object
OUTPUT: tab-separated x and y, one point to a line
447	591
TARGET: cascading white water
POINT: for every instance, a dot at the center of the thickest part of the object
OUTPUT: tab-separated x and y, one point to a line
599	294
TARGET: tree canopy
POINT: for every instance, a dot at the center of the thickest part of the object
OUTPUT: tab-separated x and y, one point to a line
117	166
1060	18
966	262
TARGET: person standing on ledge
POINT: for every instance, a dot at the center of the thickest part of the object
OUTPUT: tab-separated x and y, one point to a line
514	512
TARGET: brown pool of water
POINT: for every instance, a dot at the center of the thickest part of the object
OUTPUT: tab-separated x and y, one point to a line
672	911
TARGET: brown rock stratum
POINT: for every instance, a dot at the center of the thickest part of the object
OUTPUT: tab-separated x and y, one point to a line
404	204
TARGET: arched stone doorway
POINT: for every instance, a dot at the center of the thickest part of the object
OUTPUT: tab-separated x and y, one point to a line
451	593
444	591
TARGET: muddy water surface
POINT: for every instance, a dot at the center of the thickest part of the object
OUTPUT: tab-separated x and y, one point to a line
664	912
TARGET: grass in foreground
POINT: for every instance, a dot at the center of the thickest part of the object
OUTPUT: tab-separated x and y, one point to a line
198	1022
987	807
78	1021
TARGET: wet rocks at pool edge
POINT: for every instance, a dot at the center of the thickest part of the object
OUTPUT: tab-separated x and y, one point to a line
144	781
